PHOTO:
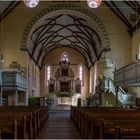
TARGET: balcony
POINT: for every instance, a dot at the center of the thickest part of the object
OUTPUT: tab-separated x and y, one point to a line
128	75
13	80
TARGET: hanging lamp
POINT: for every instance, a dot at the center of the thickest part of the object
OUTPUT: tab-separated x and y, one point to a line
94	3
31	3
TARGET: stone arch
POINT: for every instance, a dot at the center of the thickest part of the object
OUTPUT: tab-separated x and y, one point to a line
57	9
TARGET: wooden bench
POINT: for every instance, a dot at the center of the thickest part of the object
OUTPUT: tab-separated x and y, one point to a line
29	121
105	122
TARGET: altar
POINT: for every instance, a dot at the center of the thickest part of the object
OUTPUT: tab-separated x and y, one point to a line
64	81
65	85
64	101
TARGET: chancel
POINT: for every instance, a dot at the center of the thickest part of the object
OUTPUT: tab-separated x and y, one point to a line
69	69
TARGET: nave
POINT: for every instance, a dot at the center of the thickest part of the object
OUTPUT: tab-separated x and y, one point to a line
69	54
59	126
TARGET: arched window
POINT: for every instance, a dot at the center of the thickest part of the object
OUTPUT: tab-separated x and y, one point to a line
138	53
47	74
81	73
65	57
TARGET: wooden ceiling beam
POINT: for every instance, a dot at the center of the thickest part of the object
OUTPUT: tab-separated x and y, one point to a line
121	17
134	5
12	5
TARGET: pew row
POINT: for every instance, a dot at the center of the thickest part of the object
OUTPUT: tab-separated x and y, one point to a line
104	122
22	122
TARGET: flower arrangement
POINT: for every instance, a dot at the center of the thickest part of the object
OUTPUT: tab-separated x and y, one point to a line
64	94
50	95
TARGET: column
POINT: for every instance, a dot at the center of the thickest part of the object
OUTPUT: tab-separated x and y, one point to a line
26	98
1	87
71	85
116	90
16	98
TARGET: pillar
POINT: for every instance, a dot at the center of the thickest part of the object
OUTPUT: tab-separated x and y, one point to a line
116	90
16	98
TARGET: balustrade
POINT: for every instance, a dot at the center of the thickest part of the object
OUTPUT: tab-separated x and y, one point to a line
128	75
13	80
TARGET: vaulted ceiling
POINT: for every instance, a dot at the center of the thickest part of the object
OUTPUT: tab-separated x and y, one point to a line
64	30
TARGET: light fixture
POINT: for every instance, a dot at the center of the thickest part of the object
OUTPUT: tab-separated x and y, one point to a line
31	3
94	3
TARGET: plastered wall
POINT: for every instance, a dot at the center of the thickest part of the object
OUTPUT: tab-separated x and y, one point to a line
33	80
54	57
120	40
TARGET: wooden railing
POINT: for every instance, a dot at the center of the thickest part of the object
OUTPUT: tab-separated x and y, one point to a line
13	80
128	75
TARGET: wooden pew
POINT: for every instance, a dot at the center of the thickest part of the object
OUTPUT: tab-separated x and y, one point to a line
89	120
21	122
120	129
8	129
95	124
29	119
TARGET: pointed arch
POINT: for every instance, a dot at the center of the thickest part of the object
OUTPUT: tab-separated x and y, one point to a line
81	73
48	72
138	53
65	57
87	34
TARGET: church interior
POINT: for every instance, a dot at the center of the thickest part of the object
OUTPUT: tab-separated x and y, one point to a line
69	69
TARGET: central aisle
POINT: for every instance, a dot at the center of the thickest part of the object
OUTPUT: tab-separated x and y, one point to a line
59	126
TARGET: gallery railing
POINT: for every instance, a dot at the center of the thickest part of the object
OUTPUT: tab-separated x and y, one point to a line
13	80
128	75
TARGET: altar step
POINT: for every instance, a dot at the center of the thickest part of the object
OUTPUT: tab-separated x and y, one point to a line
59	112
60	107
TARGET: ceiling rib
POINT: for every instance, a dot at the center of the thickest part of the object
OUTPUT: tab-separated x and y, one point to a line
75	32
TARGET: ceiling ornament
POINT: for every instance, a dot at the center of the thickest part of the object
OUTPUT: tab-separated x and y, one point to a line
31	3
94	3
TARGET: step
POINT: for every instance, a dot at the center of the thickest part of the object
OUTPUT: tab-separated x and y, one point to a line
59	112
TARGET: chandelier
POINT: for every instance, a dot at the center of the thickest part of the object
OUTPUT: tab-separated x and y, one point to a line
94	3
31	3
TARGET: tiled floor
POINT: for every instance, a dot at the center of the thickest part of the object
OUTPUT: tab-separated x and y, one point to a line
59	126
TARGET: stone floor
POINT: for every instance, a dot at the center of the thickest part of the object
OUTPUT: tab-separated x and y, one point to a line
59	126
